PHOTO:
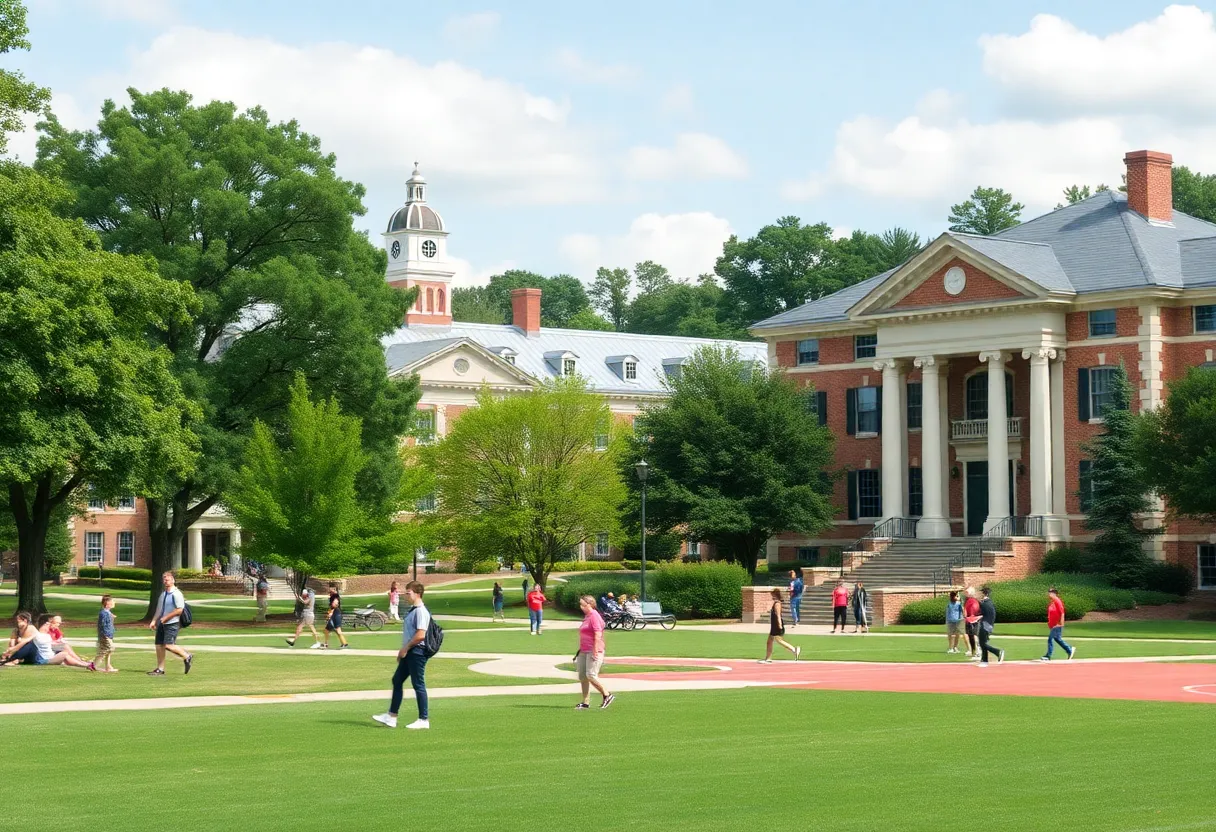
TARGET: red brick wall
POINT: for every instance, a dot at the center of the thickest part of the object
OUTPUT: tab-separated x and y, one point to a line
110	522
838	350
787	353
1127	323
1149	189
525	309
1177	320
1177	358
980	287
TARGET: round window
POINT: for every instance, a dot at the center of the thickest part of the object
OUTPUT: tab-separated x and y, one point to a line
461	365
429	248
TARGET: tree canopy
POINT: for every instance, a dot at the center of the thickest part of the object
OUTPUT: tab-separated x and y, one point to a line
17	96
987	211
610	295
1175	445
736	455
1194	193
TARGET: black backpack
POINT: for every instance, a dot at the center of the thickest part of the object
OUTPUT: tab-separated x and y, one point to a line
187	616
433	640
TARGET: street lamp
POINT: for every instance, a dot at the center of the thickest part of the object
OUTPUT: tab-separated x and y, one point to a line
643	471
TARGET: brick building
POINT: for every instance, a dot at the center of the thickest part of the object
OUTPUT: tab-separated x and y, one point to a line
994	353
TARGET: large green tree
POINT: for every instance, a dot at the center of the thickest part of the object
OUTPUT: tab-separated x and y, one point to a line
1075	193
783	266
987	211
562	297
736	455
17	96
610	294
692	310
1195	193
85	396
295	495
1175	443
253	216
520	477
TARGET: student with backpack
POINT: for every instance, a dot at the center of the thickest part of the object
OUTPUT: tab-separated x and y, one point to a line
172	613
421	638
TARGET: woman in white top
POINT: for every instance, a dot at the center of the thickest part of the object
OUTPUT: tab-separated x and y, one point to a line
67	658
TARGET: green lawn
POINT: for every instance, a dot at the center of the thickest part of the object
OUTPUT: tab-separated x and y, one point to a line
712	762
471	603
1093	629
135	594
296	671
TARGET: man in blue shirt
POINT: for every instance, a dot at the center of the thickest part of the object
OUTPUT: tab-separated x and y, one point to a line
796	587
411	661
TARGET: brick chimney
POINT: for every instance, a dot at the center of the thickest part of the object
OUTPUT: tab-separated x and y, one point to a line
1150	191
525	310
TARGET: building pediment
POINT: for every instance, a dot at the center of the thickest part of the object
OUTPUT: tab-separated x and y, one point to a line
462	362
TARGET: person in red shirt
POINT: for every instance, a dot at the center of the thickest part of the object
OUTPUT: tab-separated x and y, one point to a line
536	603
1055	624
971	615
840	606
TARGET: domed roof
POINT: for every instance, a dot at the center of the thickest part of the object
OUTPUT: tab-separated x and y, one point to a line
415	216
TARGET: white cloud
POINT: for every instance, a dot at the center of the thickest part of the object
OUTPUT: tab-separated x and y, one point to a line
379	111
466	275
577	68
472	31
687	244
693	156
678	100
1165	66
157	12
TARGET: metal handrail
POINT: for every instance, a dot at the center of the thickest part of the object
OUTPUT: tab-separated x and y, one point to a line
973	555
892	527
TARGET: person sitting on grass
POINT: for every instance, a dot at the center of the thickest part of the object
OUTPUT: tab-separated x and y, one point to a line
776	629
28	645
55	630
66	656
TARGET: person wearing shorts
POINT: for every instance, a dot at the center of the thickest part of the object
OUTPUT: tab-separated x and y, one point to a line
954	623
306	617
590	656
167	622
333	618
776	631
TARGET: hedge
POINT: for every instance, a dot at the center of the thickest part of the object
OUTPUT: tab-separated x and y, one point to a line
1171	578
588	566
115	583
485	567
701	590
567	593
129	573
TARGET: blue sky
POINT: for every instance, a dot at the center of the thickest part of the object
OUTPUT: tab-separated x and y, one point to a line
559	137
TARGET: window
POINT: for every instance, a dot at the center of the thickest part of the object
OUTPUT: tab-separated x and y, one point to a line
426	503
96	503
429	248
977	395
126	548
914	393
601	545
1205	318
126	503
1101	390
1101	323
694	548
808	554
865	346
631	370
424	426
509	357
1207	566
601	441
916	498
867	410
817	403
869	494
672	371
568	366
1086	481
94	547
808	351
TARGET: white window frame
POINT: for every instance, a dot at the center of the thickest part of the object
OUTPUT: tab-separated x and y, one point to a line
1113	323
126	503
693	548
429	436
857	347
864	432
812	353
602	549
97	504
569	366
631	371
1095	413
129	558
601	441
94	548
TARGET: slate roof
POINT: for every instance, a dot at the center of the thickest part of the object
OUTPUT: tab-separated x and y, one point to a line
594	349
1095	245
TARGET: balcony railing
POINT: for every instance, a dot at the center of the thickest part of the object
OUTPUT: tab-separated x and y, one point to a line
975	430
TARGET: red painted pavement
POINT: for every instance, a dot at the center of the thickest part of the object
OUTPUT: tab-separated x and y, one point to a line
1146	681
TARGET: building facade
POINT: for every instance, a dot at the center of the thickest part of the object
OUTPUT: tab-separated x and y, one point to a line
963	385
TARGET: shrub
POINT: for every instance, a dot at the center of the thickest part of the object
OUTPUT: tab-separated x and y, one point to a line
1014	604
588	566
115	583
1152	598
566	593
1113	600
127	572
190	574
1172	578
701	590
1064	559
485	567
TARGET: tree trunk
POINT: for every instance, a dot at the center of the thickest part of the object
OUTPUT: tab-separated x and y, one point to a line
168	521
33	519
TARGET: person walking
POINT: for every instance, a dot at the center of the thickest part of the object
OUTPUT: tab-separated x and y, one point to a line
776	629
333	618
1055	625
954	622
167	623
590	656
971	623
796	588
306	616
861	600
987	625
840	606
411	662
497	599
394	601
536	608
105	636
262	592
525	587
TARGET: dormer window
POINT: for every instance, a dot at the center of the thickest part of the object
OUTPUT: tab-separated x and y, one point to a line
568	366
505	353
631	370
672	367
625	366
563	362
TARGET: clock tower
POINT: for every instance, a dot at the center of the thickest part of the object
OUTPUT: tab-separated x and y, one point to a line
416	244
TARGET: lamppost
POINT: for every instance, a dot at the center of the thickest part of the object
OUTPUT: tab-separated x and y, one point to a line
643	471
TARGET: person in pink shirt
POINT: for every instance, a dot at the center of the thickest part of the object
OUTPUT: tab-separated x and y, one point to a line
590	656
840	606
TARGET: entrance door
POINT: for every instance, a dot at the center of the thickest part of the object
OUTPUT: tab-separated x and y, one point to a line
977	496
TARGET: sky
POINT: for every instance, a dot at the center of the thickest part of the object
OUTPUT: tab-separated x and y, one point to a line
561	137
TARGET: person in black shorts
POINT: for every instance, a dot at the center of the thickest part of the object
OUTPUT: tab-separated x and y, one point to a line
167	623
776	629
333	618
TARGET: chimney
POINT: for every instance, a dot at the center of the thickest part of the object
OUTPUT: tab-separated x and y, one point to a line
1150	191
525	311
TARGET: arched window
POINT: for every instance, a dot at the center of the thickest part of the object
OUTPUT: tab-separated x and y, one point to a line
418	302
977	395
440	309
430	300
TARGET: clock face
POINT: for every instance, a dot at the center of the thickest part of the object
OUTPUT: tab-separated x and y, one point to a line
396	249
428	248
955	280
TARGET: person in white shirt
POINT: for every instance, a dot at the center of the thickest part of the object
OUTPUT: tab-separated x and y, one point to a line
306	617
167	622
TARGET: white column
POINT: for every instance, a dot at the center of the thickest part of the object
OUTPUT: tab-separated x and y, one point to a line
234	549
441	421
892	440
932	523
998	440
1040	429
1059	491
944	422
195	557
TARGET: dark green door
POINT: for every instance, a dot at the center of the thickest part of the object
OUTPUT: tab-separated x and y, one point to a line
977	497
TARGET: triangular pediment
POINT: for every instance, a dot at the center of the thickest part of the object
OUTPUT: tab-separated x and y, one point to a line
464	362
948	273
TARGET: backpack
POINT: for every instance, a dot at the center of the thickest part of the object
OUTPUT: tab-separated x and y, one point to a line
187	616
433	639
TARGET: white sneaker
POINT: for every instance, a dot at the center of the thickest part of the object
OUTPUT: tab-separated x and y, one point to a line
1073	654
316	645
797	653
386	719
418	724
765	661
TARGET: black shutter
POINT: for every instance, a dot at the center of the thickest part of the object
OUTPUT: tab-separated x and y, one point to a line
1084	469
878	398
850	397
1083	394
821	406
852	482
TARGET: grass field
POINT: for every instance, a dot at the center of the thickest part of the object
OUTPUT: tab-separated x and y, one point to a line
734	760
1092	629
